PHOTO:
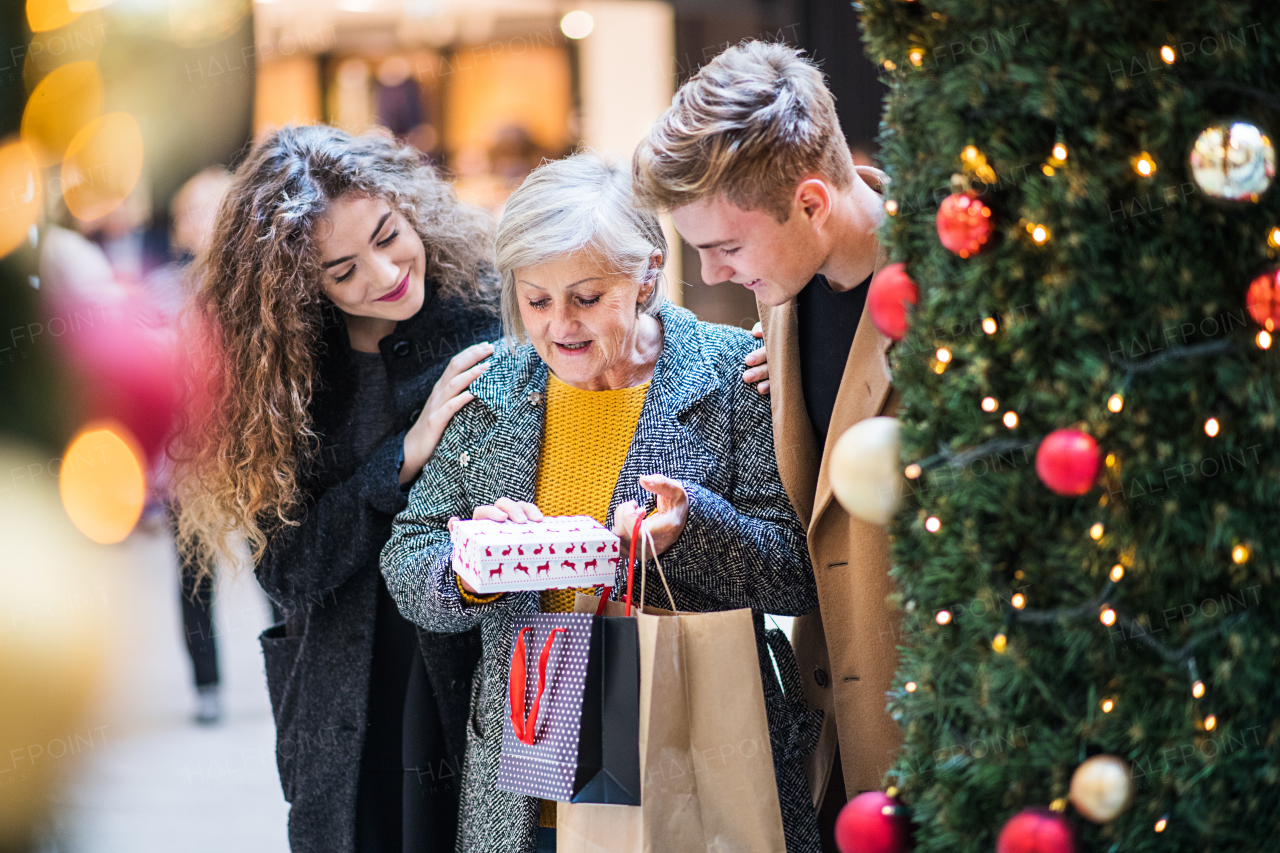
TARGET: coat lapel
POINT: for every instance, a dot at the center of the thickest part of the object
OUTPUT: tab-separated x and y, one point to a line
517	434
863	391
794	442
673	392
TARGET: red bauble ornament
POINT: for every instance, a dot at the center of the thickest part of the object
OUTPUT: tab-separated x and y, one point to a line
1263	300
872	822
1067	461
964	223
888	296
1036	830
125	358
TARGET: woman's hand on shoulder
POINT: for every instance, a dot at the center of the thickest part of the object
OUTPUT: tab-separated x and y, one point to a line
668	519
448	396
758	364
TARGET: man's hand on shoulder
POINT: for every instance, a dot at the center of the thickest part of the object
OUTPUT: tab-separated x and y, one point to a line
757	364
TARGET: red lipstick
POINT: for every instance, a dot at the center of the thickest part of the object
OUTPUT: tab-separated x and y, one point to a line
401	289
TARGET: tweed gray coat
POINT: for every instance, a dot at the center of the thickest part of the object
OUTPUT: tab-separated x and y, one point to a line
742	545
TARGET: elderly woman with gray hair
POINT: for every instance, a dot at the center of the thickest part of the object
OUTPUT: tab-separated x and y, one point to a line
611	402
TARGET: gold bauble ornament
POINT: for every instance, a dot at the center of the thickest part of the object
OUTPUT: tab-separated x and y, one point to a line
866	475
1101	788
1234	161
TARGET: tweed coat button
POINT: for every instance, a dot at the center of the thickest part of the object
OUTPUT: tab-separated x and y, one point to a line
535	399
464	459
401	348
820	676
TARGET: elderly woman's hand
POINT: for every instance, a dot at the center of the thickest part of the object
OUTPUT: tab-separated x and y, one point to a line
668	518
505	509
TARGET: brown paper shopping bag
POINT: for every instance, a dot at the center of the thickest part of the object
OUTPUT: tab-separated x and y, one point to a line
705	761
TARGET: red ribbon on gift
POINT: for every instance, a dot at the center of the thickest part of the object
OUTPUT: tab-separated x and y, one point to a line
525	725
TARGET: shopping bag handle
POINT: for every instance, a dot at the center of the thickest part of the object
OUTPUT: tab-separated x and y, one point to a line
631	564
524	725
645	536
648	537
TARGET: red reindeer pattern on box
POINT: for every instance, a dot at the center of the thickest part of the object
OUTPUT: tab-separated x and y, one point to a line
556	553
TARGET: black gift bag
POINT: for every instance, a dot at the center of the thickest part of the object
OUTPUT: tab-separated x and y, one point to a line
609	764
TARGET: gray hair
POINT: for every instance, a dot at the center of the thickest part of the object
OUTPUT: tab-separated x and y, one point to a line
581	202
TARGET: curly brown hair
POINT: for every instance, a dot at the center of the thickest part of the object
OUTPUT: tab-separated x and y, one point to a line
246	441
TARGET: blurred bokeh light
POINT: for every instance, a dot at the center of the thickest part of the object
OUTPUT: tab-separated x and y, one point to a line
102	165
577	24
20	188
79	41
51	652
43	15
60	106
199	22
88	5
102	483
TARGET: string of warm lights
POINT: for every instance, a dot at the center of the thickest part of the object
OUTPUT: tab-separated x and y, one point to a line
947	456
1115	403
965	226
1110	614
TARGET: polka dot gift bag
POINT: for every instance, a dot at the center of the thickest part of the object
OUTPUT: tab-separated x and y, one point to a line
572	727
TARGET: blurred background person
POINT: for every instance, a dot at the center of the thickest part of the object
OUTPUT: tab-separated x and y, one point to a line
487	178
168	290
125	257
134	242
101	259
191	216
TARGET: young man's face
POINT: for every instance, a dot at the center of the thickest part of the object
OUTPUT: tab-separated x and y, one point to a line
774	260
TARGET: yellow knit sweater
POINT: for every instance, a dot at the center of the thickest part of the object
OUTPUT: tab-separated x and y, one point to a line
585	439
584	442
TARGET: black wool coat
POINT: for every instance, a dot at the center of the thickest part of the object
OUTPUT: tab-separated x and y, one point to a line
324	575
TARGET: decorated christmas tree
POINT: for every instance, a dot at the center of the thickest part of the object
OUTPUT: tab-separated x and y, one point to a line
1084	206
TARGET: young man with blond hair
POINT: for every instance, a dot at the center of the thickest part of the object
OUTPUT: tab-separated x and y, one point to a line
752	164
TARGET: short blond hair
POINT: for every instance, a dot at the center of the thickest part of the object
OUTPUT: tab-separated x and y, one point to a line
750	125
582	203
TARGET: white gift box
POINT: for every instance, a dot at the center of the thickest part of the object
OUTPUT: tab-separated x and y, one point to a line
555	553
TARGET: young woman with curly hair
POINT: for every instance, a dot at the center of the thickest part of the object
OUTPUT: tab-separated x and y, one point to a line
346	296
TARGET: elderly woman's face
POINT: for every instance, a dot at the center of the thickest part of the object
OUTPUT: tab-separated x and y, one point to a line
582	318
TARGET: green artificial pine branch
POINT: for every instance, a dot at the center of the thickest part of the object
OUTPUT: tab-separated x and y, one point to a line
1138	291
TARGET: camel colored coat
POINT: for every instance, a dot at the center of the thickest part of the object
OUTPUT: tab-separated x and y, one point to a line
848	667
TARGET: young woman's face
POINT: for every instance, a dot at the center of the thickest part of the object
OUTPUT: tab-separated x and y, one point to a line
373	262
